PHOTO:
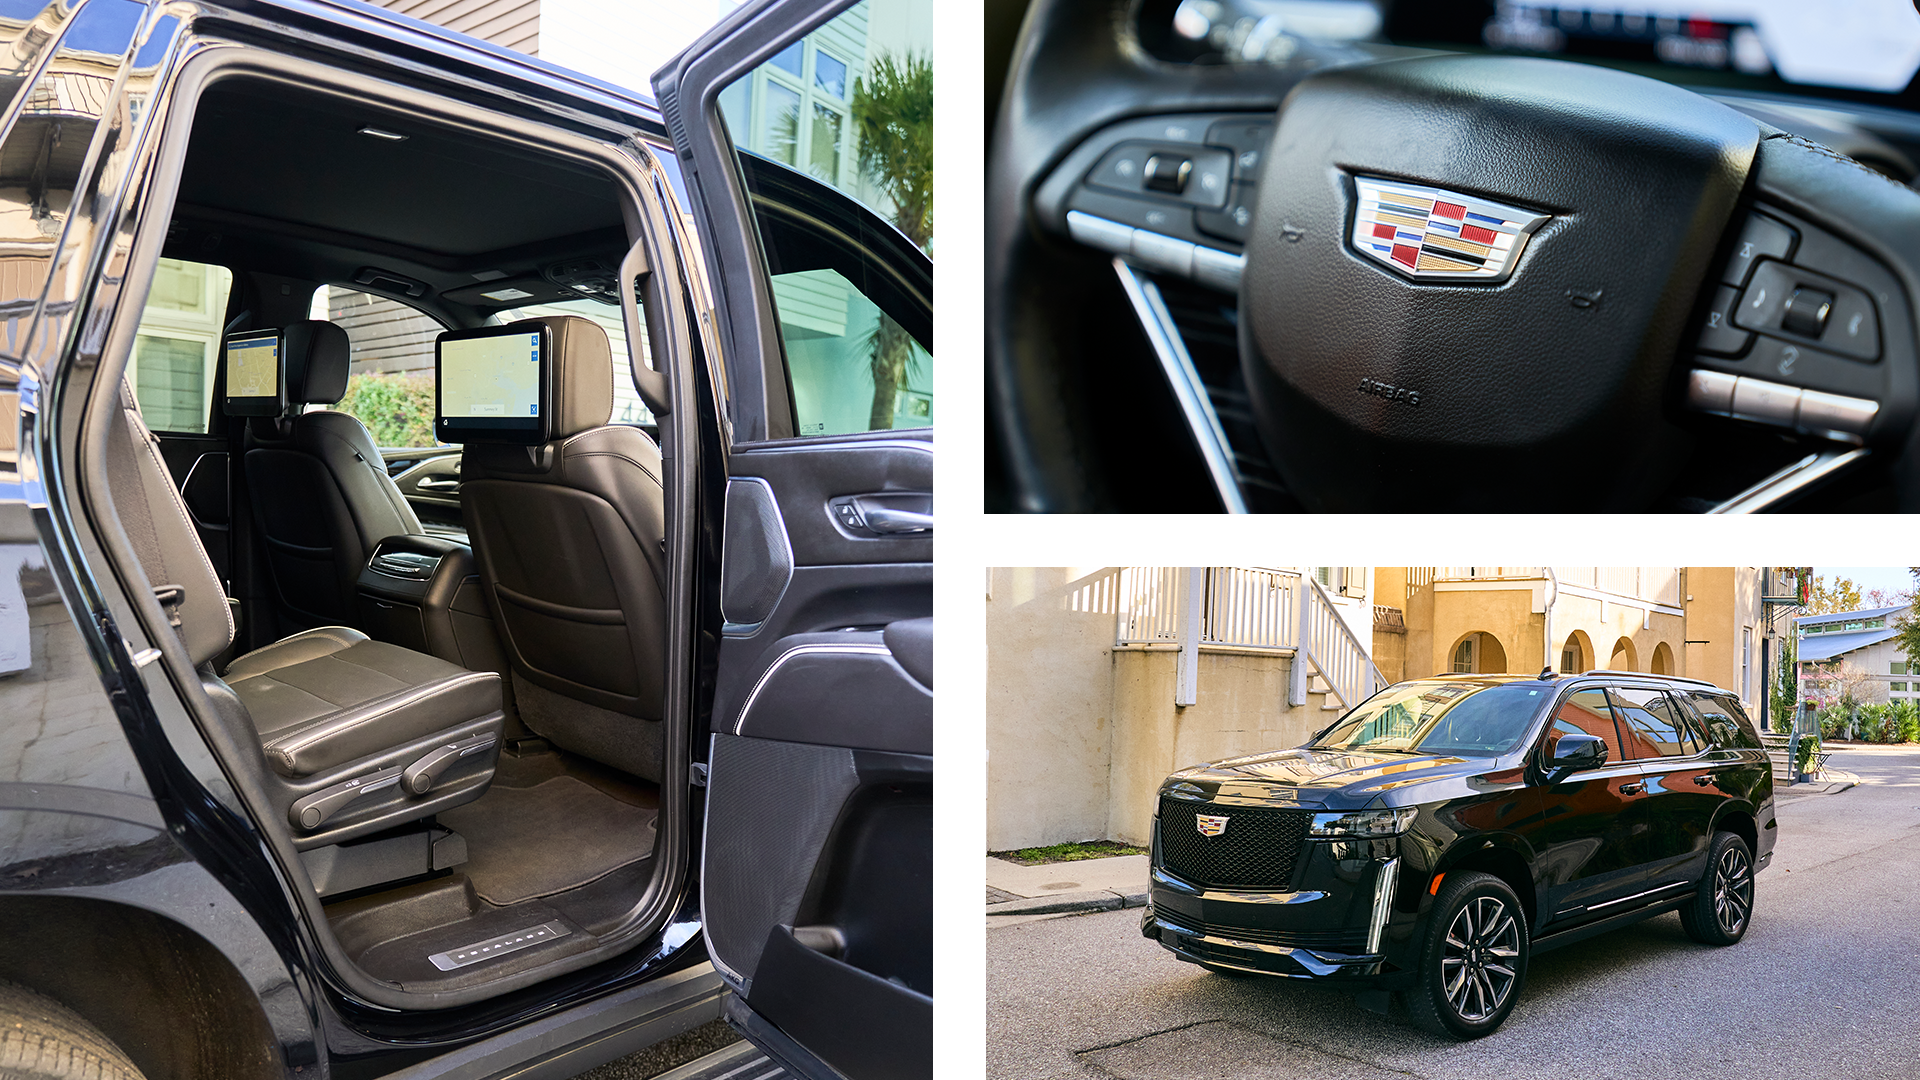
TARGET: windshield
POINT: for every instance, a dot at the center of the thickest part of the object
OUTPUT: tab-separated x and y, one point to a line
1472	719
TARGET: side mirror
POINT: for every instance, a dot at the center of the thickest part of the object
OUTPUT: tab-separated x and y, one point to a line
1575	751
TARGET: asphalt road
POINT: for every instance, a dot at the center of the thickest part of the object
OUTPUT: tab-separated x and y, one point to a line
1826	983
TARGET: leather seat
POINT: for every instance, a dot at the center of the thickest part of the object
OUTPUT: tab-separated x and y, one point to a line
320	491
570	538
356	736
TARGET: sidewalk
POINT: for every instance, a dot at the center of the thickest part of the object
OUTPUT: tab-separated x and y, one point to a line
1831	782
1065	888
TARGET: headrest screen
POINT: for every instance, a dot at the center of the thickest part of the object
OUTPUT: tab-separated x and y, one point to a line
254	368
492	384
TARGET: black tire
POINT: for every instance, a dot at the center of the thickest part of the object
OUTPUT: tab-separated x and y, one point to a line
39	1037
1722	906
1473	962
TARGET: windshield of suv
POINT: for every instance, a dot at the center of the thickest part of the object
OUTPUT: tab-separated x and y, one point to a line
1473	719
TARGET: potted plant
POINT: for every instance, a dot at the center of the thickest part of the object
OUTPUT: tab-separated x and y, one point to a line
1808	753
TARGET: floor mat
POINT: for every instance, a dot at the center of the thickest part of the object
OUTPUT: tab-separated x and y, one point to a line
537	841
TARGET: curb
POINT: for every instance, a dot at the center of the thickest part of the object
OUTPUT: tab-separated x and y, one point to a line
1075	902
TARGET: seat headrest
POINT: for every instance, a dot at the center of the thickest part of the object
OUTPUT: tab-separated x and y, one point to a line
582	374
317	361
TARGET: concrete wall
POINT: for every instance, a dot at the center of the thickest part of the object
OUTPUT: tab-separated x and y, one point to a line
1241	709
1049	704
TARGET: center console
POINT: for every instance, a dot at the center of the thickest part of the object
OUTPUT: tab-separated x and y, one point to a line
423	592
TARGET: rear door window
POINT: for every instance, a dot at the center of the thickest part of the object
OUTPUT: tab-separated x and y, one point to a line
177	347
1725	721
1649	723
837	132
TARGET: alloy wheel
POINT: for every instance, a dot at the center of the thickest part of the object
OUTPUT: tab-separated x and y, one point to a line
1732	890
1477	967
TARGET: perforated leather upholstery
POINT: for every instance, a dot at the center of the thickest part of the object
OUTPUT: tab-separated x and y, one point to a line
320	492
569	538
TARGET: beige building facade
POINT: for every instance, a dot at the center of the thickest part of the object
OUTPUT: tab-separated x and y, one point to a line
1103	680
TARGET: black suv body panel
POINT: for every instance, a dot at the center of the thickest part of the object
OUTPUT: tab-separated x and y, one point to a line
1581	854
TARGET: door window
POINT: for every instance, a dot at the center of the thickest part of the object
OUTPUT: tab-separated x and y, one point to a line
1586	712
390	380
178	344
848	112
1726	722
1649	724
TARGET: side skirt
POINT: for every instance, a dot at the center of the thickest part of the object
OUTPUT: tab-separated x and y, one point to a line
1612	922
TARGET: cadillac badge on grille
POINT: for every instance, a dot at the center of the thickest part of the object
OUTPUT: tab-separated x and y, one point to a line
1209	826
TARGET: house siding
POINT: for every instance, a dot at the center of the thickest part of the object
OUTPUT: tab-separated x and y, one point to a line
512	24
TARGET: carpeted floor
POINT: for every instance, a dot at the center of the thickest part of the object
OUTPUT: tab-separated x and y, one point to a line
537	841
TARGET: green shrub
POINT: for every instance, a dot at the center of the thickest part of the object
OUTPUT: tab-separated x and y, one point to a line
1905	717
1870	723
397	409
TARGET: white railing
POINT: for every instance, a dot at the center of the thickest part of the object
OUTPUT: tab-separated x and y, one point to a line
1249	607
1332	650
1246	607
1487	573
1149	605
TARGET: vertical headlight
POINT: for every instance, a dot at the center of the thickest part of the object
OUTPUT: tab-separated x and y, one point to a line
1362	824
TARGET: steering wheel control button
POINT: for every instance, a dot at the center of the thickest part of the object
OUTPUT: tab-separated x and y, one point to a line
1248	140
1218	269
1233	223
1711	391
1164	253
1834	414
1806	312
1785	300
1167	173
1767	402
1100	233
1432	234
1200	175
1761	237
1718	334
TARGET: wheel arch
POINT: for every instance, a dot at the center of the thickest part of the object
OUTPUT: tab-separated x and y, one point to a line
1501	857
1738	819
164	994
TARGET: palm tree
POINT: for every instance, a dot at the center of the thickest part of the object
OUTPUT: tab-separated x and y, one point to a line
893	118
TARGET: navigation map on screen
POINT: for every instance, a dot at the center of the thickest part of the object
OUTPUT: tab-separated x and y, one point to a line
491	376
253	367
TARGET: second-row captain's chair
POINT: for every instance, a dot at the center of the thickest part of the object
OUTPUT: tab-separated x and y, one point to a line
569	535
321	494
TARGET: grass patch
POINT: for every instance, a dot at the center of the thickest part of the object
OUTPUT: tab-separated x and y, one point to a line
1054	853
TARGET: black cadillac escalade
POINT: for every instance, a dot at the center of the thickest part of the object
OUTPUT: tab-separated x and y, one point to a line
1434	838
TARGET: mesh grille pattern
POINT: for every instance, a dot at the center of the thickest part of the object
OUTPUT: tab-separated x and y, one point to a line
1256	851
1349	941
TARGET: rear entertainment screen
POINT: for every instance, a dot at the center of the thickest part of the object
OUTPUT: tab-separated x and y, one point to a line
492	384
253	374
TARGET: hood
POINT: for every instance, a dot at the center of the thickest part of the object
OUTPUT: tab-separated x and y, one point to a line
1310	776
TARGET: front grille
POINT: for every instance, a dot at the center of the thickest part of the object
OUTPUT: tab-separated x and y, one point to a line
1255	851
1350	942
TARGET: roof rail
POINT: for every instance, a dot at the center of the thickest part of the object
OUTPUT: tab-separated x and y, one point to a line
1649	675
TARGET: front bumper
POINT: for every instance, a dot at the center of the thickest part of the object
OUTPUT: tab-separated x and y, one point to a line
1347	931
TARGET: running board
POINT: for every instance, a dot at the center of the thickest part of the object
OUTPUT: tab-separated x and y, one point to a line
738	1061
1612	922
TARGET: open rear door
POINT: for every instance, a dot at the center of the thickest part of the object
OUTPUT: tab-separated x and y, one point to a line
817	871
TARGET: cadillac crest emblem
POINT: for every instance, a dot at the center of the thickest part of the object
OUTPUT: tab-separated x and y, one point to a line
1209	826
1432	234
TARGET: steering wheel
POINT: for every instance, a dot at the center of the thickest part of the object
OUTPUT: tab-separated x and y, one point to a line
1457	281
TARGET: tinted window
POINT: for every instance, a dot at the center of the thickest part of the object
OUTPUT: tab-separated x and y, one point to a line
1477	719
1649	724
1726	722
1586	711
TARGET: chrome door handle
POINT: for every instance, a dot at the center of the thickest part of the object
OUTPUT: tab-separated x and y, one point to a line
428	483
1703	781
1632	789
